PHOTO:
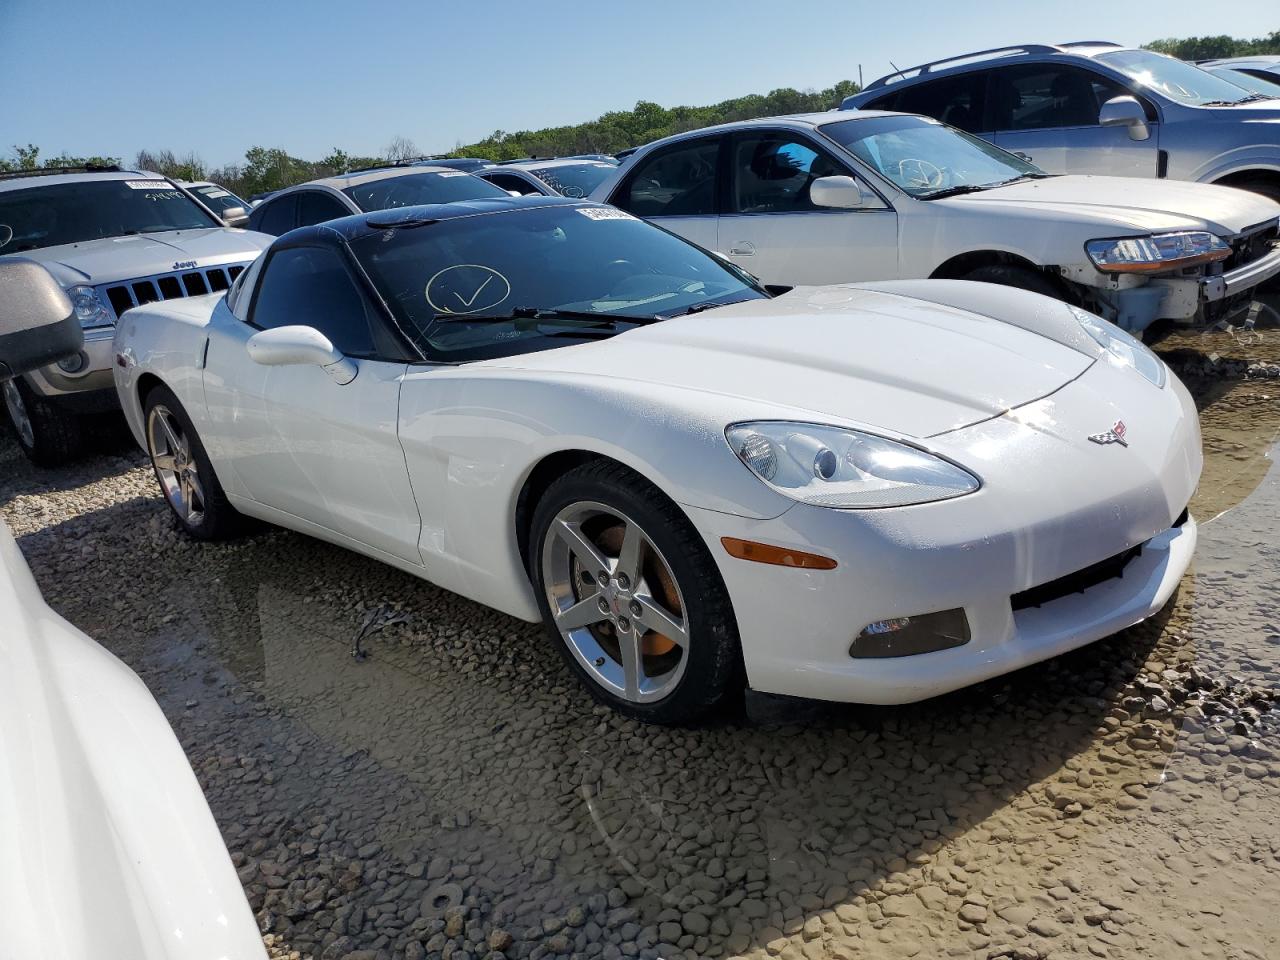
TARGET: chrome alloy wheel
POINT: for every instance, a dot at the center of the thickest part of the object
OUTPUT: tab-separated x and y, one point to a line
175	466
615	601
18	413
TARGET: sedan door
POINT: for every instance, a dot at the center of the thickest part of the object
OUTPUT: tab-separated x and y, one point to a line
1047	113
298	441
677	187
771	227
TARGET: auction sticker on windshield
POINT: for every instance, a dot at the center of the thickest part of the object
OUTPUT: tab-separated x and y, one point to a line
147	184
604	213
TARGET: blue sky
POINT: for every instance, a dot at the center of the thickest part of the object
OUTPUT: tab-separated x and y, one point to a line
109	76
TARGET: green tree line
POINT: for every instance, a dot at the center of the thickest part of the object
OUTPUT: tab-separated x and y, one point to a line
270	168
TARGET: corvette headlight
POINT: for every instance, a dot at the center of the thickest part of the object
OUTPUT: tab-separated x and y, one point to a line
1155	254
1122	347
89	309
844	469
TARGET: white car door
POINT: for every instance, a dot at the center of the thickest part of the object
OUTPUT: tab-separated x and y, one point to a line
1047	113
298	441
676	187
772	229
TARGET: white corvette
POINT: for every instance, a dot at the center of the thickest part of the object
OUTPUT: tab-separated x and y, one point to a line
871	493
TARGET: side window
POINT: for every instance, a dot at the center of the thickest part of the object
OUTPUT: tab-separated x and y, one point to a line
679	181
959	101
772	173
1044	96
275	216
311	287
316	207
508	182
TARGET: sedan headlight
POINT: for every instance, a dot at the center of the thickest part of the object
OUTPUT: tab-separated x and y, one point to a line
844	469
90	311
1122	347
1158	253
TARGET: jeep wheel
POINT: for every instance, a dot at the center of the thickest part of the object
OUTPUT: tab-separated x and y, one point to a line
47	434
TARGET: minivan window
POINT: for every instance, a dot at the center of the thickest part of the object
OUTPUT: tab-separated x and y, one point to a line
1043	96
959	100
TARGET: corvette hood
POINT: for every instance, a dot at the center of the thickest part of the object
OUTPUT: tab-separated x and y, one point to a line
864	356
141	255
1130	202
109	847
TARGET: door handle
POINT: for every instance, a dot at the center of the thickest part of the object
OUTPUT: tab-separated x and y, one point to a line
743	248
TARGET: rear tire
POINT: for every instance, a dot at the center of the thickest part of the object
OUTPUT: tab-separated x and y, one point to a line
1019	277
663	580
47	434
184	472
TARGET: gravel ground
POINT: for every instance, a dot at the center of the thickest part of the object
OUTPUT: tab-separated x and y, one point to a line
457	795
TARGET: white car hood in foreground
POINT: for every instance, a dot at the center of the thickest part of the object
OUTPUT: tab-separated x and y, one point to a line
1132	202
107	847
875	358
142	255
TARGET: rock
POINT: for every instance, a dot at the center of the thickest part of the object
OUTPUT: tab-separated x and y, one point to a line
1045	927
973	913
499	939
695	923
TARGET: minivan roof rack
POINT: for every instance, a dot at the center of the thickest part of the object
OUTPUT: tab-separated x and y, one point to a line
981	55
1092	43
49	171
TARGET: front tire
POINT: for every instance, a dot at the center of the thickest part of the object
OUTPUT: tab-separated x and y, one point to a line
47	434
183	470
631	596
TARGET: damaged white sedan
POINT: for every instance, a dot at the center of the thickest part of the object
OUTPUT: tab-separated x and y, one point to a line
871	493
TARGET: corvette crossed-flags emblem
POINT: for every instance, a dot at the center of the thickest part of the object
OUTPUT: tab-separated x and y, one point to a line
1114	435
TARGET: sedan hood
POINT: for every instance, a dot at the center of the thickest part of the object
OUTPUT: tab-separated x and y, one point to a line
1134	203
859	355
142	255
109	849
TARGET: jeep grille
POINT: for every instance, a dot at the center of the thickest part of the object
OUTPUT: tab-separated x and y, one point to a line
168	286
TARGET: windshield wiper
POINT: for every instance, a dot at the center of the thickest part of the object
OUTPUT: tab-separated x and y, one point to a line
601	320
1255	97
707	305
956	191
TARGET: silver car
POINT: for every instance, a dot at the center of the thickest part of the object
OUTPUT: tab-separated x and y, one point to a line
1097	108
113	239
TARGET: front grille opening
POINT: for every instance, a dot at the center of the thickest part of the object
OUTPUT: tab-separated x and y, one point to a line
235	272
194	282
218	280
119	299
170	288
145	292
1078	582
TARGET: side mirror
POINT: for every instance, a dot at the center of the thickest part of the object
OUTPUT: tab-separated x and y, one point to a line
301	345
841	193
235	216
1125	112
37	323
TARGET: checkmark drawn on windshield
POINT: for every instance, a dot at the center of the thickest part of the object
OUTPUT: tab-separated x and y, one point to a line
467	303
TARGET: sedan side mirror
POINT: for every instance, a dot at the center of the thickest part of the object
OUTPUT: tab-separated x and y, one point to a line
235	216
301	345
841	193
1125	112
37	323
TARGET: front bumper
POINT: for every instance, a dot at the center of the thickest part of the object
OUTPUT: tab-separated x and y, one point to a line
1242	278
1052	504
94	376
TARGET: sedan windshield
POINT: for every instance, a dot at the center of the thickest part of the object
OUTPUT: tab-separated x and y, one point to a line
574	179
926	158
1248	81
56	213
492	285
416	189
1176	79
217	199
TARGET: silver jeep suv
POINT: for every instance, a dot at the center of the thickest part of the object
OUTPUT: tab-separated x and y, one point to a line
1097	107
113	239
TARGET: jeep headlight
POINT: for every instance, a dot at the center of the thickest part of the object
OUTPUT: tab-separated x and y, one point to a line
844	469
1120	346
89	310
1157	253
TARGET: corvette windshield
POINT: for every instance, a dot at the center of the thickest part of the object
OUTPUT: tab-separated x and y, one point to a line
52	214
926	158
1176	79
496	284
414	189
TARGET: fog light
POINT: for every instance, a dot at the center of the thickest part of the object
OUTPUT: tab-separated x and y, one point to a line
73	364
907	636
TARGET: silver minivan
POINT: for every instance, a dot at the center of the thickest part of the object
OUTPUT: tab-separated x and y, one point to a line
1097	108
